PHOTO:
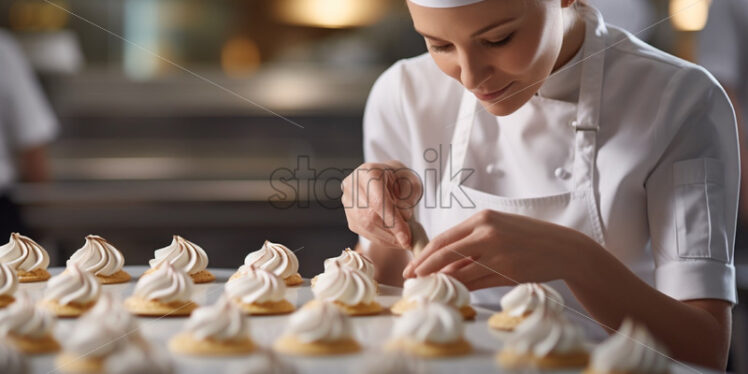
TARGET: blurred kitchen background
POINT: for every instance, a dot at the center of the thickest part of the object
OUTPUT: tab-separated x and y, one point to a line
173	114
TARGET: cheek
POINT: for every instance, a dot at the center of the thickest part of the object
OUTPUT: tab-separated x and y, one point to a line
448	65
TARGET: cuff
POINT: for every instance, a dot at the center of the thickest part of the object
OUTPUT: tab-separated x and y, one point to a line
697	279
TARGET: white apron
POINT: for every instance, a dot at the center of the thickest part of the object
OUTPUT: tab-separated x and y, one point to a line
577	209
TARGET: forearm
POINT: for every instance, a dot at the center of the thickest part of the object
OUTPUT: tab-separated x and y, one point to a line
610	292
388	261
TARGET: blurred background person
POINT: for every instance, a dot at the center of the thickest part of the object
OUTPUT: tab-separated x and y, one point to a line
27	125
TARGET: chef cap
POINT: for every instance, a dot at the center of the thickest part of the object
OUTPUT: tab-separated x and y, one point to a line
443	3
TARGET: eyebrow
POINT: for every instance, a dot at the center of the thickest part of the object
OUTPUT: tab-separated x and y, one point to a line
481	31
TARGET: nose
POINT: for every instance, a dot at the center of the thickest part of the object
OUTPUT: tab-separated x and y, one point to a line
475	69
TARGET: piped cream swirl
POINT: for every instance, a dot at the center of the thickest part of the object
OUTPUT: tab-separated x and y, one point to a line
528	297
24	254
8	280
352	259
430	322
222	321
438	287
166	284
23	318
182	254
632	350
110	310
256	286
11	360
319	322
273	257
343	284
92	336
542	334
98	257
73	286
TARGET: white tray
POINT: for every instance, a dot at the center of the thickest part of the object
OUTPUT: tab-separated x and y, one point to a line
371	332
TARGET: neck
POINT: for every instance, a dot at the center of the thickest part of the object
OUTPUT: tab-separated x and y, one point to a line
574	30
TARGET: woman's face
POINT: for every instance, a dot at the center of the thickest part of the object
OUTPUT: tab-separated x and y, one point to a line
500	50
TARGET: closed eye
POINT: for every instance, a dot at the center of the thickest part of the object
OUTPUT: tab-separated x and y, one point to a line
499	43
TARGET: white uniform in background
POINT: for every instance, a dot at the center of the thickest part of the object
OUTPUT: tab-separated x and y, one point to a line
26	119
633	147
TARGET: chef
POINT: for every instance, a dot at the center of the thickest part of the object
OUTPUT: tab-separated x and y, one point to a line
27	124
535	143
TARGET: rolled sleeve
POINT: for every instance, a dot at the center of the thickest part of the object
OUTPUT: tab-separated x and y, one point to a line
692	192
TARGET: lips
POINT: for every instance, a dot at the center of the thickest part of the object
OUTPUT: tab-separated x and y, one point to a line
488	96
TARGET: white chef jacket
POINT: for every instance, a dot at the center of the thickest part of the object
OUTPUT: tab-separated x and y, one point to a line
667	165
26	119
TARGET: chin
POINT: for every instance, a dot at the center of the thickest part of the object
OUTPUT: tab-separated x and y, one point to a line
503	108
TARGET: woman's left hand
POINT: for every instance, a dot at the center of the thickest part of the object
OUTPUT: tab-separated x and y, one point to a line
493	249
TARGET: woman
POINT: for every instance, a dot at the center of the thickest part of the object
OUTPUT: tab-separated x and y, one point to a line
549	146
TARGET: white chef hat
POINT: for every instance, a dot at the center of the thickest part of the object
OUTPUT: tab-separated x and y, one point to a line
443	3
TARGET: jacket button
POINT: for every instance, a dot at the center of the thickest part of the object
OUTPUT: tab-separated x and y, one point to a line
561	173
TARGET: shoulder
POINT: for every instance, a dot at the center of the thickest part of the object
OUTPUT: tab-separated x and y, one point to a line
650	67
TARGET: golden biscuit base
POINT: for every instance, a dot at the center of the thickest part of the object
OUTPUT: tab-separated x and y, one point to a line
402	306
155	308
504	322
71	310
38	275
266	308
292	346
79	364
369	309
186	344
33	346
118	277
202	276
6	300
428	349
512	360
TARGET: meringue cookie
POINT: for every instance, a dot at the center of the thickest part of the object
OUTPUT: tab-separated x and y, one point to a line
258	291
11	360
71	293
218	329
184	255
102	259
632	350
110	310
354	260
523	300
544	340
166	291
89	344
27	257
139	359
276	258
437	287
349	288
432	329
8	284
319	328
29	328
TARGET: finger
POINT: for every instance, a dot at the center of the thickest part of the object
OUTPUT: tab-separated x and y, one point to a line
379	233
442	257
453	267
391	215
474	272
489	280
448	237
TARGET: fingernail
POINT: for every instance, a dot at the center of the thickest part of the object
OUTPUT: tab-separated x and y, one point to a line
408	269
403	239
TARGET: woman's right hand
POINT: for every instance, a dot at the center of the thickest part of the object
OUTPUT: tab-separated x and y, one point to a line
379	199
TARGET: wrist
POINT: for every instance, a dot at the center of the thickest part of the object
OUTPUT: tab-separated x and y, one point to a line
578	254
